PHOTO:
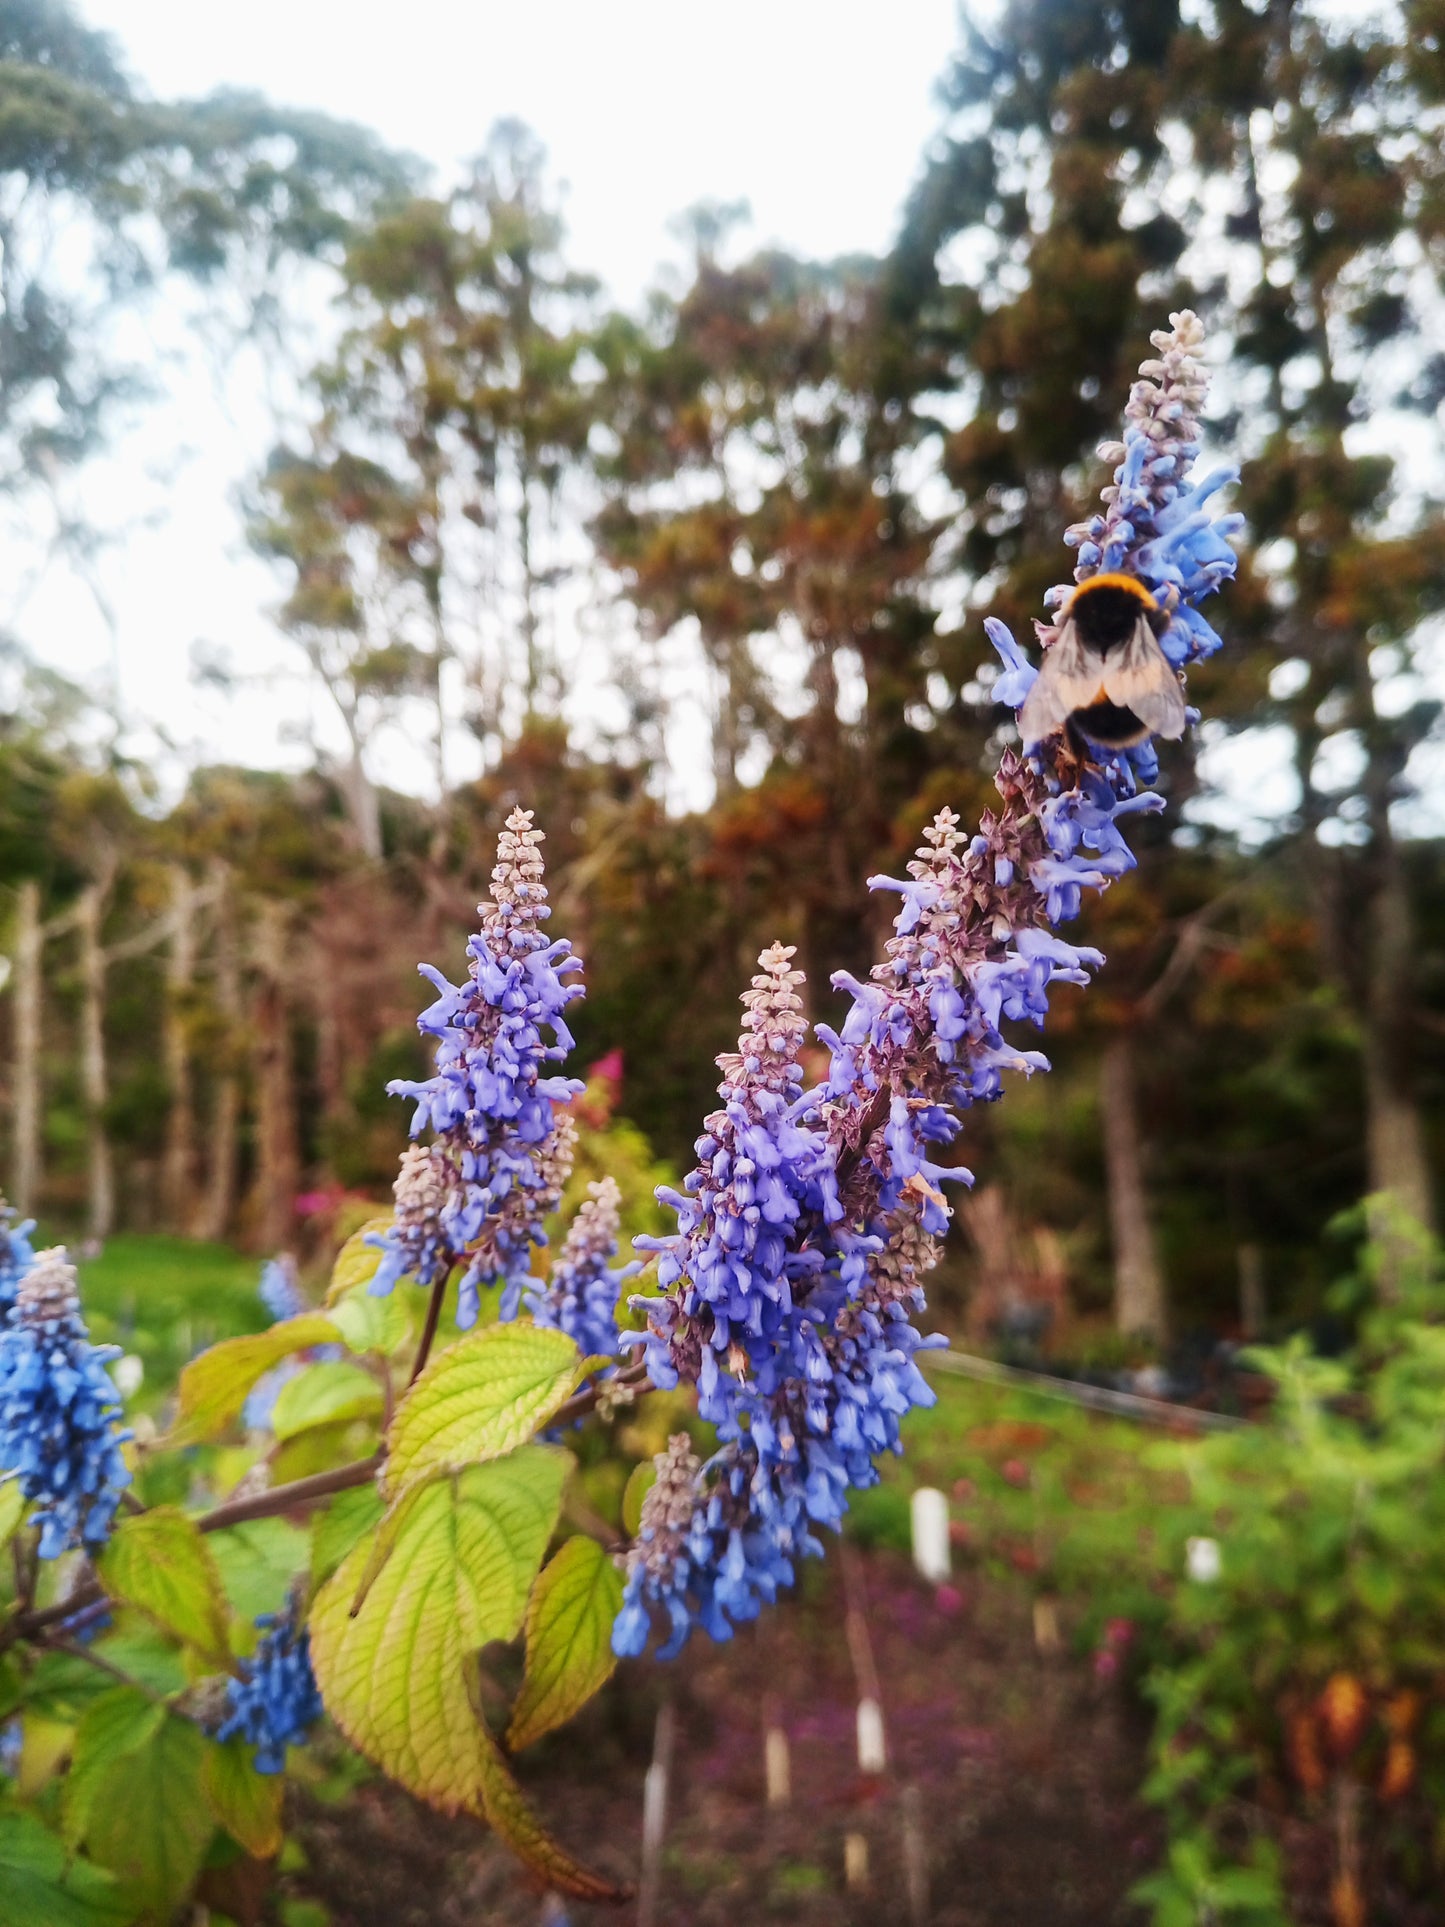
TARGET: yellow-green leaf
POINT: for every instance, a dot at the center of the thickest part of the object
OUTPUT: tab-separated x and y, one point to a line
331	1393
640	1481
482	1397
503	1806
43	1885
338	1528
463	1562
148	1820
569	1639
373	1324
214	1386
258	1561
12	1510
246	1803
115	1724
357	1261
159	1561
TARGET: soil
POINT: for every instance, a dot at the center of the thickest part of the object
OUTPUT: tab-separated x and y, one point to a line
1020	1771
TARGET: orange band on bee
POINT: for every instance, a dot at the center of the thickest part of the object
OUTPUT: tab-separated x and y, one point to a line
1129	583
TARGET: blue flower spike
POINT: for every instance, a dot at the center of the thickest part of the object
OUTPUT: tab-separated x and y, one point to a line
501	1151
59	1431
791	1286
275	1703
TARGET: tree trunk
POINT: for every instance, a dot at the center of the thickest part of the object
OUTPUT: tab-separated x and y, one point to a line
1399	1166
100	1177
28	1097
1138	1286
278	1163
179	1161
363	804
219	1205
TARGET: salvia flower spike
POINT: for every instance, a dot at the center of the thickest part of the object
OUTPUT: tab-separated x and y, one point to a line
500	1150
59	1412
791	1286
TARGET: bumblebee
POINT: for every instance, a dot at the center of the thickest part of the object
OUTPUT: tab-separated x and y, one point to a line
1106	676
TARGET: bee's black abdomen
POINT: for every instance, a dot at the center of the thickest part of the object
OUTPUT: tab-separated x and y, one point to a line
1106	612
1109	724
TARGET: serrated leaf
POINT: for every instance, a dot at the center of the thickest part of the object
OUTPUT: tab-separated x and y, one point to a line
370	1324
357	1261
12	1511
569	1639
113	1726
246	1803
462	1567
640	1481
503	1806
43	1885
159	1562
479	1399
258	1560
331	1393
338	1528
148	1820
214	1386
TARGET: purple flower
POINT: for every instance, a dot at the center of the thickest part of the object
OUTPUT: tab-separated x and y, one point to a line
499	1156
58	1411
581	1292
275	1702
790	1288
16	1257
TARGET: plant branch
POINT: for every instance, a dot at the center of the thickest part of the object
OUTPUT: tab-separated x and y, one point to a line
581	1403
429	1329
286	1498
74	1651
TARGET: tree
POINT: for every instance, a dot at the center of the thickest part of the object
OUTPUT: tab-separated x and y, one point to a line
225	193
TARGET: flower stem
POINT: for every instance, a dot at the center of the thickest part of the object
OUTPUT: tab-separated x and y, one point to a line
286	1498
429	1329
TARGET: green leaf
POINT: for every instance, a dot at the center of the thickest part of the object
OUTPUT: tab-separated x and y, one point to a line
148	1820
159	1562
503	1806
466	1550
258	1561
357	1261
640	1482
373	1324
569	1639
246	1803
42	1885
113	1727
338	1528
214	1386
482	1397
12	1511
331	1393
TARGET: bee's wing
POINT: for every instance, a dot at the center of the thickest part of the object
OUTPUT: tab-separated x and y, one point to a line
1139	677
1069	678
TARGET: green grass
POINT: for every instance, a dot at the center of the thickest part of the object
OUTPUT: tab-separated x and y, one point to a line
167	1298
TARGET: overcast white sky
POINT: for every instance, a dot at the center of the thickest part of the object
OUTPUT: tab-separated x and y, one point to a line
814	111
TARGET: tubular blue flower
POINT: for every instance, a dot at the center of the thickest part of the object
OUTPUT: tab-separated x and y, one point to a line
16	1257
790	1288
280	1292
581	1292
275	1702
280	1288
58	1411
500	1153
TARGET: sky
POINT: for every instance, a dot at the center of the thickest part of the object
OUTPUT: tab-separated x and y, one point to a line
816	112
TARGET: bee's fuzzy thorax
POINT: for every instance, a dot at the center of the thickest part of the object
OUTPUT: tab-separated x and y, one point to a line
1113	580
1106	609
